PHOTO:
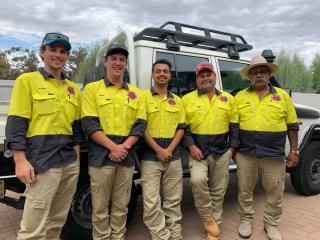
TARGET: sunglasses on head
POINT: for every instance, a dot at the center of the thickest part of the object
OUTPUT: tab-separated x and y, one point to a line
53	36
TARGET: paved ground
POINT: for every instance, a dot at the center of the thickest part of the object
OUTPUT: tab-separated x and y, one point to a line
301	218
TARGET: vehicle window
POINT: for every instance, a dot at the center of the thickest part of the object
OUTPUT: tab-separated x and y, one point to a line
183	75
173	82
186	75
231	79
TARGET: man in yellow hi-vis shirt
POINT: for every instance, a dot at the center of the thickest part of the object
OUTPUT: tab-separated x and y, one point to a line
266	116
213	138
113	115
44	131
161	168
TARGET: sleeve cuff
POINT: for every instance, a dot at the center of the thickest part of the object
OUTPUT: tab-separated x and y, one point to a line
91	125
16	130
138	128
234	138
293	126
187	138
78	136
182	126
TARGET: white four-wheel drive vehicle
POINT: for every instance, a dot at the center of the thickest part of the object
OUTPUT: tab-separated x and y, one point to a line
184	46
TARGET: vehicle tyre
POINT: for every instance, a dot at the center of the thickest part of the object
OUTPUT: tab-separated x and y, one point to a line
305	177
79	224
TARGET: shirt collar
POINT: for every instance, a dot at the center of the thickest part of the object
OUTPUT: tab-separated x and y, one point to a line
153	93
271	89
217	92
108	83
47	75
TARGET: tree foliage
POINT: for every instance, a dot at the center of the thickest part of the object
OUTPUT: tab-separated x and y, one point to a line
293	72
89	61
17	60
75	62
316	73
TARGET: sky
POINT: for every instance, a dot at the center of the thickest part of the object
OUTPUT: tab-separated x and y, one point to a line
275	24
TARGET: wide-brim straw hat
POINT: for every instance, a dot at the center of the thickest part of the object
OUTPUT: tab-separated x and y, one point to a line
256	62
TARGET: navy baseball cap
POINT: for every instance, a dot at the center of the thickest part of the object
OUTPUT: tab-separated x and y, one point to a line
52	37
116	48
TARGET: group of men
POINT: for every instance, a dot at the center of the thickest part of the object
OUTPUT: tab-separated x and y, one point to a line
47	116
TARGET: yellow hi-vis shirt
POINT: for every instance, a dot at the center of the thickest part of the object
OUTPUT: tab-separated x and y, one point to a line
213	124
164	116
264	123
118	112
44	119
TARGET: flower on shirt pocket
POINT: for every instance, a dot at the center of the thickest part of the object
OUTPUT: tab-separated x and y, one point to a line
44	103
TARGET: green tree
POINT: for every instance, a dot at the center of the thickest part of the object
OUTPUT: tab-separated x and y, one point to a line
89	61
75	62
293	72
316	73
21	60
4	66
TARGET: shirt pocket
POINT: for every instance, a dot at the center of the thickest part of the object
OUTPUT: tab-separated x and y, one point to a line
195	114
71	107
153	114
44	103
131	108
104	107
172	116
245	111
223	113
276	111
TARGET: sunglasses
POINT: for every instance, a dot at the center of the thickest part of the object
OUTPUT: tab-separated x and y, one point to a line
54	36
260	71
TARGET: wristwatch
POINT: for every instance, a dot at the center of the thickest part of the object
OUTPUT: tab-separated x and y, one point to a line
295	152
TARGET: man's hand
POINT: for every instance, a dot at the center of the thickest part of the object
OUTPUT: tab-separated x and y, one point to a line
292	160
119	152
164	154
195	152
24	170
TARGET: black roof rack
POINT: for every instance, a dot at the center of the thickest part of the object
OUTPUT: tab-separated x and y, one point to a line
207	41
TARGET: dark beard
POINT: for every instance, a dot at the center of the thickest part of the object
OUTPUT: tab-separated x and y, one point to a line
206	90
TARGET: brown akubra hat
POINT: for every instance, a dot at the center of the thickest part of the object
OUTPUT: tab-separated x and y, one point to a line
256	62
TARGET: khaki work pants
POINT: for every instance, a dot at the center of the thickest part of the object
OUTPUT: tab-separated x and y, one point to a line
272	172
209	181
157	176
110	184
47	203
